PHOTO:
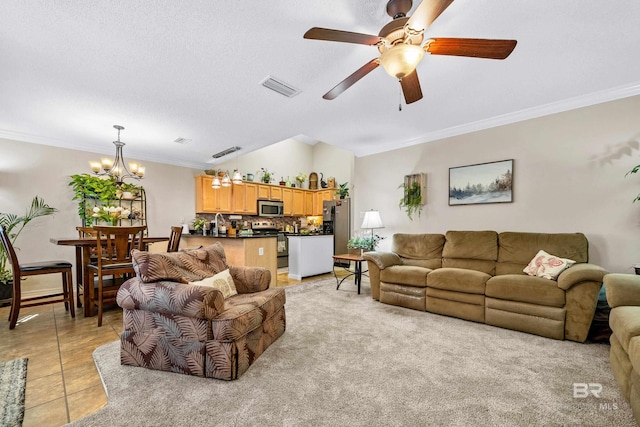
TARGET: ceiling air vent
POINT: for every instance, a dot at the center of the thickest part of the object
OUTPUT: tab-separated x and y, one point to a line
182	141
225	152
279	86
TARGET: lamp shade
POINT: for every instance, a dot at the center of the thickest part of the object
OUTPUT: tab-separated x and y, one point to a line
401	59
372	220
215	183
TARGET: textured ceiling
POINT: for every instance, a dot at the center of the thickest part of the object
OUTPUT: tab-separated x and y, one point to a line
185	68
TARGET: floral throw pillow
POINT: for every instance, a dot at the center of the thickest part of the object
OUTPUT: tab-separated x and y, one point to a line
547	266
221	281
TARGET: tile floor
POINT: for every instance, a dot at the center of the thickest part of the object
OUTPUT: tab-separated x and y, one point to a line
63	383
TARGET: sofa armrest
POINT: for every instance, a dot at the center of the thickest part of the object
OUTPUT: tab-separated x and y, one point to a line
622	289
250	279
383	259
182	299
583	272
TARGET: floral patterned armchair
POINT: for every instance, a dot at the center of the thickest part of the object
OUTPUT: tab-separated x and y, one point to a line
172	325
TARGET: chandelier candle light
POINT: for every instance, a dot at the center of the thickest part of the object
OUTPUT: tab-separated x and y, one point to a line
117	167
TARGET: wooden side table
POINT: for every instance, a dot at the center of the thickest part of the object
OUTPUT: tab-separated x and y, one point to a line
357	273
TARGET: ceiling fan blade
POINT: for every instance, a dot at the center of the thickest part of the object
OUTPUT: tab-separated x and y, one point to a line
341	36
476	48
411	87
426	13
352	79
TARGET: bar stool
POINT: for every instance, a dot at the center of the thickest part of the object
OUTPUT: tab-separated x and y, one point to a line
33	269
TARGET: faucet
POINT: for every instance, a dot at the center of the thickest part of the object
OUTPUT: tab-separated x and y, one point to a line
215	223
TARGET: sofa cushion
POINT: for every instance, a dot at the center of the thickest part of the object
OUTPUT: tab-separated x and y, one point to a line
221	281
523	288
475	250
625	324
517	249
424	250
405	275
182	267
458	280
547	266
245	312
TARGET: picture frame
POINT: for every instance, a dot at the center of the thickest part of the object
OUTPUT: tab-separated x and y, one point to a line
482	183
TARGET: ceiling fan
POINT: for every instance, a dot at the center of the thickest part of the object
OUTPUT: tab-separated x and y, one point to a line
400	45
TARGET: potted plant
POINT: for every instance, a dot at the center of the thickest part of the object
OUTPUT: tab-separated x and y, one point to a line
343	190
15	224
411	199
301	178
360	244
198	225
89	187
129	191
266	175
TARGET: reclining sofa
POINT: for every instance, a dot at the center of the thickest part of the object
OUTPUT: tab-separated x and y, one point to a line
623	296
478	276
172	322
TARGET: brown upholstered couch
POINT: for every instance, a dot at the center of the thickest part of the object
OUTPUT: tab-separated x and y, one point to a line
623	296
171	325
478	276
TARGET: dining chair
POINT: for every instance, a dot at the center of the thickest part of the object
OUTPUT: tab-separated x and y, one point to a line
32	269
114	246
85	233
174	239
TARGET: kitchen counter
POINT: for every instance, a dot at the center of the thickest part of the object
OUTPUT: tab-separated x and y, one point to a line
250	251
310	254
227	236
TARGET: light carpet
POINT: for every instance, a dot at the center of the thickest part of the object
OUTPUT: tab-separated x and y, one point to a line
13	380
347	360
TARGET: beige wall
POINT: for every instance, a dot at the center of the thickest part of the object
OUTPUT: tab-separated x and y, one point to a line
569	175
290	157
28	169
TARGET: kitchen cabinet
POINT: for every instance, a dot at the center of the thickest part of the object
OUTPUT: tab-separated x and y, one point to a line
264	191
298	202
308	202
276	192
245	198
287	199
209	200
321	196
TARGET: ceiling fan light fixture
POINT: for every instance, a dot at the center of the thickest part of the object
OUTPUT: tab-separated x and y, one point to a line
401	59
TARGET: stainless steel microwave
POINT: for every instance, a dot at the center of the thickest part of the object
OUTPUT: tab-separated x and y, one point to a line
270	208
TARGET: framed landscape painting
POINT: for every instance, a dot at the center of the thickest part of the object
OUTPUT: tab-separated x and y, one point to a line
482	183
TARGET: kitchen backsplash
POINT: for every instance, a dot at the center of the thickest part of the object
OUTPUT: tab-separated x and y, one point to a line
305	222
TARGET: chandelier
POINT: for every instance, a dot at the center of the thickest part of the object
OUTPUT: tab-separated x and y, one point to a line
117	168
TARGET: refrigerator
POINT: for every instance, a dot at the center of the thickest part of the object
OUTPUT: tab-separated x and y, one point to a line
336	220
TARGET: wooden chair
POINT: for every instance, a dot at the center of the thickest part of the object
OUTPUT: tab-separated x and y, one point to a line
114	245
174	239
92	252
33	269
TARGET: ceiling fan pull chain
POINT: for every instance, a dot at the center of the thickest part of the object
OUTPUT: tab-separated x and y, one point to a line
399	97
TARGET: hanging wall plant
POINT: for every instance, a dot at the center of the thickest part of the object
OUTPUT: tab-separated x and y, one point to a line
413	194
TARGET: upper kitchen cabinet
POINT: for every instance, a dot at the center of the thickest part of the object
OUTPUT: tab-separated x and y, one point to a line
308	202
287	199
209	200
269	192
298	202
321	196
245	198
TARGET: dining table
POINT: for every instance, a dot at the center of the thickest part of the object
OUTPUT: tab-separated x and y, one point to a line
83	257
